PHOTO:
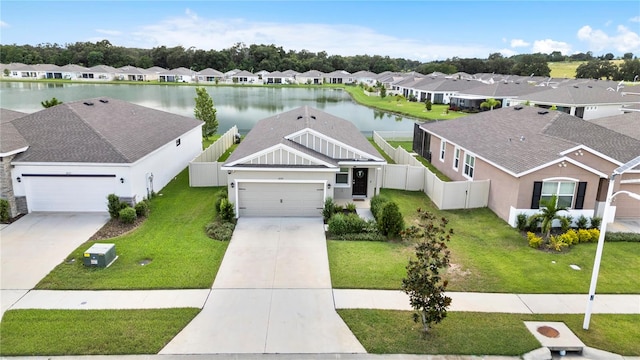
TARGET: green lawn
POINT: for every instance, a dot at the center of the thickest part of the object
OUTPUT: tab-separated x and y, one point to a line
408	145
173	238
488	256
89	332
466	333
403	107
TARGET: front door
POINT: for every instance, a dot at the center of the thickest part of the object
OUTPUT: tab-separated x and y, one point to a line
360	181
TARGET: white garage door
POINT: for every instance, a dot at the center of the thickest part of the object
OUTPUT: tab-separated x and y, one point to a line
281	199
68	193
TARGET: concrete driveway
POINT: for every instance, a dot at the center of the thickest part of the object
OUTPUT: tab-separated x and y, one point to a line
32	246
272	294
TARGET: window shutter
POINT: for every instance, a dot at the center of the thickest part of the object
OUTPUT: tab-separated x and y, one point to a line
537	191
582	189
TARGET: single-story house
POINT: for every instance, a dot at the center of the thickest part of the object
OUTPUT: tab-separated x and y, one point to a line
530	154
288	164
245	77
210	75
100	72
180	74
71	156
310	77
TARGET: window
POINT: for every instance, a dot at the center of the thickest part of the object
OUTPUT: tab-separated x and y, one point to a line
456	159
342	177
469	164
564	190
443	147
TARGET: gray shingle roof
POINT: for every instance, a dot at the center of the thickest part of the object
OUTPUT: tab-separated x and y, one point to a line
628	123
272	131
496	136
579	95
10	138
112	132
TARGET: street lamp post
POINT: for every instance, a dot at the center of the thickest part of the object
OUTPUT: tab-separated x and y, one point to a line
603	229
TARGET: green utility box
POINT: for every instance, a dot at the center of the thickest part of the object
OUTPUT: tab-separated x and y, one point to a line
100	255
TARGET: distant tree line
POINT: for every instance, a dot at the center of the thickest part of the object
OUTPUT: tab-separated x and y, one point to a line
274	58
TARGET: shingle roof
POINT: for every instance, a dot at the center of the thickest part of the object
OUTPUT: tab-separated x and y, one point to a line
10	138
579	95
627	123
106	132
496	136
500	89
273	130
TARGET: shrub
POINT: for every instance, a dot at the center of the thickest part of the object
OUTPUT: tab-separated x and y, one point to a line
391	221
571	237
127	215
565	222
351	207
329	209
142	208
521	222
364	236
534	240
4	211
376	205
556	243
226	212
428	105
114	205
595	222
533	223
222	194
220	230
581	222
341	224
584	235
622	236
595	234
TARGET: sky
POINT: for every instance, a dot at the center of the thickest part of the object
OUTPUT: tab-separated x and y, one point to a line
417	30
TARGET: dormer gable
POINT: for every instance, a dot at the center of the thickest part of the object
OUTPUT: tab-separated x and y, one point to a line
328	146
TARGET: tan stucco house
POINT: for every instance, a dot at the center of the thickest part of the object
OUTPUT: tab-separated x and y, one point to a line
289	163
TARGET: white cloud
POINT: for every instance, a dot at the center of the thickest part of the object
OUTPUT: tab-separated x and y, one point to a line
624	41
519	43
547	46
635	19
192	30
4	24
507	52
109	32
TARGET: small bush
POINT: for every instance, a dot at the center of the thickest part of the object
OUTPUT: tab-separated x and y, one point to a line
226	211
584	235
556	243
222	194
361	237
4	211
581	222
329	209
341	224
376	205
220	230
534	240
142	208
391	222
351	207
595	234
521	222
622	236
571	237
533	223
565	222
127	215
595	222
114	205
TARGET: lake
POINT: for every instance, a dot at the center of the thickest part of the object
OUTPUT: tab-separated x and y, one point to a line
236	105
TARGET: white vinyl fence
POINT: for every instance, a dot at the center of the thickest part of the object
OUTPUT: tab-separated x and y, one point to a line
204	170
409	174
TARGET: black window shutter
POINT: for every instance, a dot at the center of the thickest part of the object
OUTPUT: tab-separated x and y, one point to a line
537	191
582	189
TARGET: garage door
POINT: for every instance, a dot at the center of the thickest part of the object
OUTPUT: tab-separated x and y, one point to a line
68	193
281	199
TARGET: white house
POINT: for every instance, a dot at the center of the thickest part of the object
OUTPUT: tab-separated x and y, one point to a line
79	152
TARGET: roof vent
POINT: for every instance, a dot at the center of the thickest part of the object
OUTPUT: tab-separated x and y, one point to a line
542	112
313	117
104	101
522	138
590	87
575	86
299	117
518	107
88	103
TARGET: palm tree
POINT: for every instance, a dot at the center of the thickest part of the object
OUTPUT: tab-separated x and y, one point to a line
548	212
49	103
490	103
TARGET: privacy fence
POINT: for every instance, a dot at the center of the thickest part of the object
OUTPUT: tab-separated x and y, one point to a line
204	170
410	174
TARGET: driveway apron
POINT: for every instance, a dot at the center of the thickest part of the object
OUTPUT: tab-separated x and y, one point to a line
272	294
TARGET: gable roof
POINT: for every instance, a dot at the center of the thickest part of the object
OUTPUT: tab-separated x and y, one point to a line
282	128
521	140
109	131
627	123
579	95
11	141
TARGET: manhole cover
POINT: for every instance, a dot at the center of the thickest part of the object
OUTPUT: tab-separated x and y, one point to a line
144	262
548	331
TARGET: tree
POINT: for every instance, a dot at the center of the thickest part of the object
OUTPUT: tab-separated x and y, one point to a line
205	111
629	70
531	64
383	92
490	103
549	210
428	104
627	56
424	283
49	103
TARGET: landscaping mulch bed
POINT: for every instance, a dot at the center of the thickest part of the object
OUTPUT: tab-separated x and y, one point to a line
115	228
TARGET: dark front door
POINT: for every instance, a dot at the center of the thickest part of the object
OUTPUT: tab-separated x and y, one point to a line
360	181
